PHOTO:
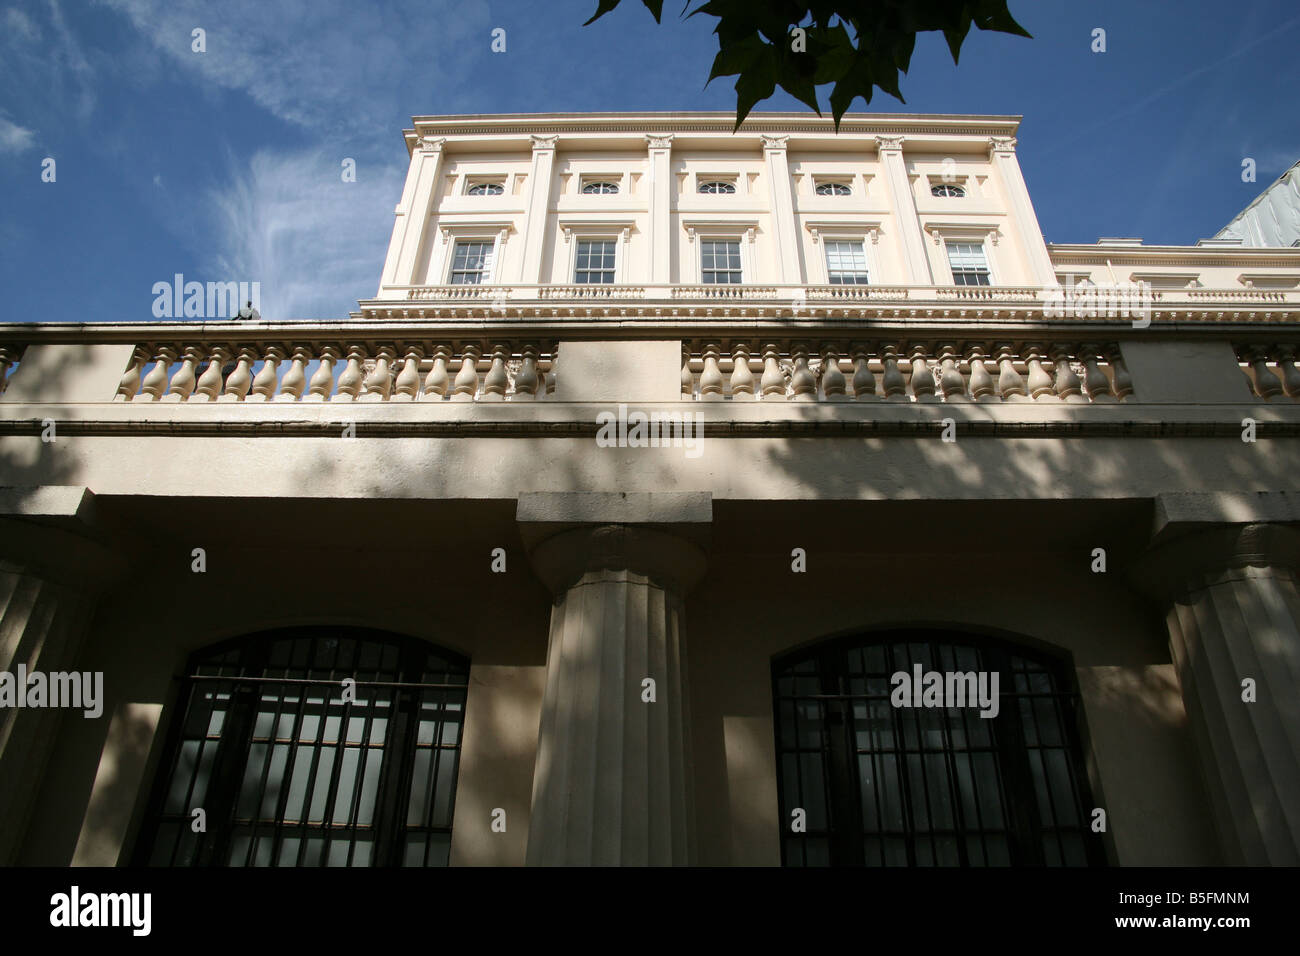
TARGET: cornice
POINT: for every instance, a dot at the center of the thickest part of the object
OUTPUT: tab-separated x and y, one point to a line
778	123
1064	254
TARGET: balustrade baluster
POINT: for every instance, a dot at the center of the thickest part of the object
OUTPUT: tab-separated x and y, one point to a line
688	380
183	382
982	388
1040	385
1267	385
892	380
773	381
1010	384
711	376
923	384
239	381
1290	374
951	383
1121	381
407	385
127	388
742	377
1094	379
155	383
322	380
834	384
466	385
437	381
864	380
526	377
803	384
265	381
1068	387
496	382
209	385
379	383
295	379
350	380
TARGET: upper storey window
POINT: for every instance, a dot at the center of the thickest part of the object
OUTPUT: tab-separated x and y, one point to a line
833	189
846	262
471	263
485	189
968	262
717	187
947	191
599	188
720	261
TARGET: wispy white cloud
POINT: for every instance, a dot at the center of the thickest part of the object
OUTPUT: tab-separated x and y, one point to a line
20	25
314	242
14	138
314	62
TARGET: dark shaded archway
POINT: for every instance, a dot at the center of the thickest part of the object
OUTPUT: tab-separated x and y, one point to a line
885	780
293	766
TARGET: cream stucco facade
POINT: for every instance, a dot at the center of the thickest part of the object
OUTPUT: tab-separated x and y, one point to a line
892	424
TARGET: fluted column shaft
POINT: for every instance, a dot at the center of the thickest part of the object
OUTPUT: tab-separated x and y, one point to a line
612	784
1238	621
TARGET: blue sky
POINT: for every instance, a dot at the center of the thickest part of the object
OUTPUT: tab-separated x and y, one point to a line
225	164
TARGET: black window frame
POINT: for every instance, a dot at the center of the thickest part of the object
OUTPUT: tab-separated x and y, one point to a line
716	187
408	697
841	782
948	191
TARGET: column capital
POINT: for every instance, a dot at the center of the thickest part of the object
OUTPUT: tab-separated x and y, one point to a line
1183	564
543	142
659	140
660	535
889	142
771	141
1002	144
431	144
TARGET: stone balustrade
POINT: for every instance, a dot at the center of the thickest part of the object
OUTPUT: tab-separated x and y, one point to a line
319	372
905	371
1193	300
732	356
1271	371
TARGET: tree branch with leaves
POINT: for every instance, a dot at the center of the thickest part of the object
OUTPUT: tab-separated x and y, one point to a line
858	46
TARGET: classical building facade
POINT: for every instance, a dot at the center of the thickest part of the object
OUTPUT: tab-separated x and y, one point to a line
680	496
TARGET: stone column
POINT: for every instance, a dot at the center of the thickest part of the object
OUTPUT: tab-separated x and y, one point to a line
49	582
894	168
612	782
1233	613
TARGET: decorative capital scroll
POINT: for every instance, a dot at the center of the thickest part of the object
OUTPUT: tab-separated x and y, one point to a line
889	142
1002	144
774	142
659	141
432	144
543	142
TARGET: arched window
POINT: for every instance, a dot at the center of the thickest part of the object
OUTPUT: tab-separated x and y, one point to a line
717	187
486	189
888	781
600	189
947	191
291	766
833	189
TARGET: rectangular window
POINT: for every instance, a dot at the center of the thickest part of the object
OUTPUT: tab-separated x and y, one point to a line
471	263
595	261
720	261
846	262
969	267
